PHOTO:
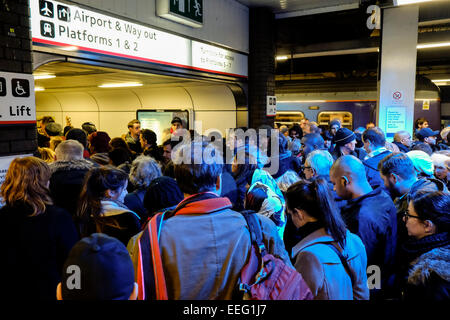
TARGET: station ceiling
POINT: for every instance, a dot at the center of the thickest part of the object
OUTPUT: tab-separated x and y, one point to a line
71	77
328	38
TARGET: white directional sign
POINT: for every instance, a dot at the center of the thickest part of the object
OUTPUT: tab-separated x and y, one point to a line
17	103
62	25
271	106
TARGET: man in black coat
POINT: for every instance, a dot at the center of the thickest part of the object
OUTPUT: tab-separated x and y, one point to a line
374	144
369	213
402	139
68	173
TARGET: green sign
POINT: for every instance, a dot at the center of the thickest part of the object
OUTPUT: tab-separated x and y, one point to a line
191	9
188	12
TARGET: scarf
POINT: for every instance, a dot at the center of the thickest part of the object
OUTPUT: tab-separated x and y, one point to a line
414	248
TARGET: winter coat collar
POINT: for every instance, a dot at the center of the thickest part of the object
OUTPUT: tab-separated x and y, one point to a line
436	260
317	236
114	208
62	165
375	153
427	184
321	236
401	146
354	202
414	248
202	203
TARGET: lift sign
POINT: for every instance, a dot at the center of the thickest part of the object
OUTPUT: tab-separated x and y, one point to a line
17	102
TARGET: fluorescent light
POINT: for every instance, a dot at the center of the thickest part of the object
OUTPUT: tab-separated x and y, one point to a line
39	89
440	80
119	85
282	58
44	76
440	83
433	45
403	2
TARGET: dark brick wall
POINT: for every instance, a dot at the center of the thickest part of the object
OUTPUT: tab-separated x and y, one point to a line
261	65
15	56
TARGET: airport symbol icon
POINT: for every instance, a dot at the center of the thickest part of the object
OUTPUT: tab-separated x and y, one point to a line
46	8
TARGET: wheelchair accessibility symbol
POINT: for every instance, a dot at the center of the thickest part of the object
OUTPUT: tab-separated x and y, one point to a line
20	88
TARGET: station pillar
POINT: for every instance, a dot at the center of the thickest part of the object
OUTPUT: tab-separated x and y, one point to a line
397	70
261	71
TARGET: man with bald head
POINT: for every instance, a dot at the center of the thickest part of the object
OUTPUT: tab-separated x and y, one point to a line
402	139
311	142
369	213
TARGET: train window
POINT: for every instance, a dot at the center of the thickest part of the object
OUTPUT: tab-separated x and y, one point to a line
345	117
288	118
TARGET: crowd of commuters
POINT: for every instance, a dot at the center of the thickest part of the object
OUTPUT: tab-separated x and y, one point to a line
338	204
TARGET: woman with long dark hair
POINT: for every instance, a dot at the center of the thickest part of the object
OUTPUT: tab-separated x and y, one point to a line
101	208
243	173
36	236
330	258
424	259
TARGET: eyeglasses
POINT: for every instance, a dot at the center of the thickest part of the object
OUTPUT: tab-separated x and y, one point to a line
304	168
407	216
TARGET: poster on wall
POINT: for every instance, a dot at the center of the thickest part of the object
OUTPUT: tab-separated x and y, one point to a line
395	120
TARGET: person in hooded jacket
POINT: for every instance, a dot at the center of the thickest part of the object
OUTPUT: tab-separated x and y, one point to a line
425	258
101	208
261	199
247	170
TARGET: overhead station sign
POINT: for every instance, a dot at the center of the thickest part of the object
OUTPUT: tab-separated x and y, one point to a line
188	12
68	26
17	103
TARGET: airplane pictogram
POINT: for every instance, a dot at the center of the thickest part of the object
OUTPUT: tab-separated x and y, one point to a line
46	10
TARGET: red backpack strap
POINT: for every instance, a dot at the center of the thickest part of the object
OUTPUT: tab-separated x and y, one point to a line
150	272
160	281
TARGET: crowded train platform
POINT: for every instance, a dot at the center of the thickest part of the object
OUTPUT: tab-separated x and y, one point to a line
230	151
89	200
